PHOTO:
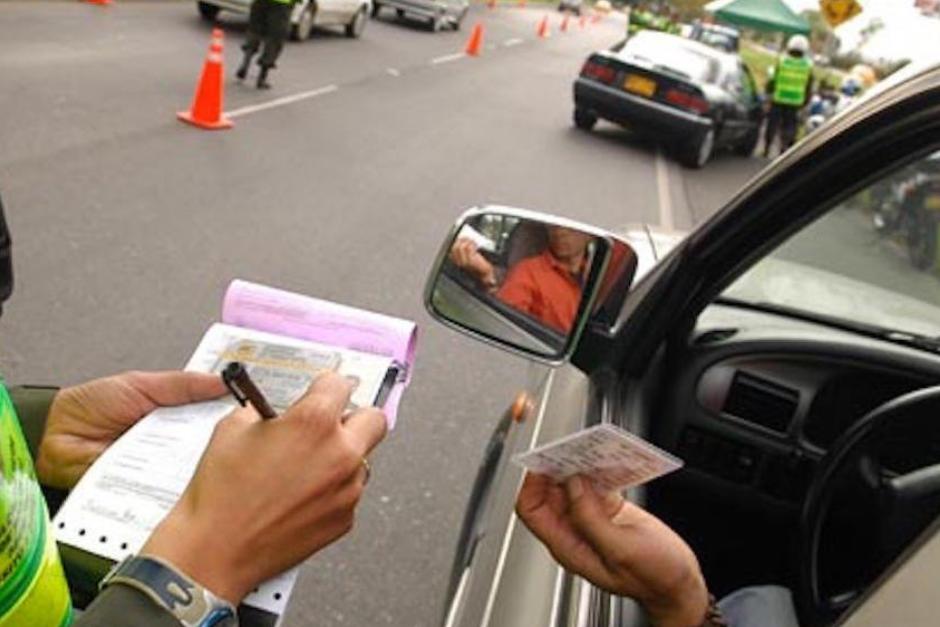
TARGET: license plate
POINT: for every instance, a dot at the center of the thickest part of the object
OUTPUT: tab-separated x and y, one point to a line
640	85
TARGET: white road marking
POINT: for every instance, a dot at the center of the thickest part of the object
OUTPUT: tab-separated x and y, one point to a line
447	58
393	72
515	41
662	189
280	102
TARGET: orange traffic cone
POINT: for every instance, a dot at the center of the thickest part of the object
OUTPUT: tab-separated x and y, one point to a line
543	30
206	111
564	24
102	3
475	43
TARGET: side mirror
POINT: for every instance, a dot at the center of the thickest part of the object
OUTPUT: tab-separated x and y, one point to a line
528	282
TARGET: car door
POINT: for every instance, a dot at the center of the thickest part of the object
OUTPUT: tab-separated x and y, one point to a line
738	120
663	333
622	373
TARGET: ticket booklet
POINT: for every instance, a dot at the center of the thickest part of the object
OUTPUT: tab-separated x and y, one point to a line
284	341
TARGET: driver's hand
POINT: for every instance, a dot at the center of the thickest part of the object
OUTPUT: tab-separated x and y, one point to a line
616	546
465	255
268	494
85	419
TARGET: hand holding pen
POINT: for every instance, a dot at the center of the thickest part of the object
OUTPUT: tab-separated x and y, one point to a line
245	391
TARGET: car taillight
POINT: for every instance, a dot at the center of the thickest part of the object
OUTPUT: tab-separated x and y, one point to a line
602	73
686	100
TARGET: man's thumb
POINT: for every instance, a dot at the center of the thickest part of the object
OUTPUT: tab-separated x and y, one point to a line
589	518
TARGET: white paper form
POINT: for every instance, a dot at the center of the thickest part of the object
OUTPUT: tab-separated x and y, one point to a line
613	459
128	491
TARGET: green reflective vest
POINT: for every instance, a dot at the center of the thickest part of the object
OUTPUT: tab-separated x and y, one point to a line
790	81
33	589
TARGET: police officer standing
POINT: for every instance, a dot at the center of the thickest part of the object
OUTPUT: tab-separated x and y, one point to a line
789	89
268	23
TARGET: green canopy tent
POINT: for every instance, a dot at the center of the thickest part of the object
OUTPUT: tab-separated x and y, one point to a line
764	15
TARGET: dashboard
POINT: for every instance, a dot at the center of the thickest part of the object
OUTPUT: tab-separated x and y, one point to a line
751	402
759	398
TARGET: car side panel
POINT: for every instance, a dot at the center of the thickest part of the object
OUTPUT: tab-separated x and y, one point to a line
511	580
329	12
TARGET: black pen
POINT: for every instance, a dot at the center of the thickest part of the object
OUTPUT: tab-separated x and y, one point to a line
245	391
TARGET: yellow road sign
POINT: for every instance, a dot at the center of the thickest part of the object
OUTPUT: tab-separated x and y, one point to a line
838	11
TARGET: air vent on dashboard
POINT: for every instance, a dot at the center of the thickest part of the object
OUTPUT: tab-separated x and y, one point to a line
761	402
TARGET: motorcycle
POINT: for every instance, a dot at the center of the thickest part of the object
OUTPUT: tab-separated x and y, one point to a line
909	206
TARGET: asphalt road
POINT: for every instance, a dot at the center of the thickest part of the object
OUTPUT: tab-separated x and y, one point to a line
128	225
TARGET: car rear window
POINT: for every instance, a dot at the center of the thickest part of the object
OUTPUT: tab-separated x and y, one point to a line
671	54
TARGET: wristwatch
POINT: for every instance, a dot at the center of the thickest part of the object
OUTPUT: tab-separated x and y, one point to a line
190	603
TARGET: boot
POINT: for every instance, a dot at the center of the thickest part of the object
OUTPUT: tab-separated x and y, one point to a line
263	79
242	72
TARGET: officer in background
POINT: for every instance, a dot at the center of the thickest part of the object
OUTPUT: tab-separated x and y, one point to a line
268	23
789	89
211	549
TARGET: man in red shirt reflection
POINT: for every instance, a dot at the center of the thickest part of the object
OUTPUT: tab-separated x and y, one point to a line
547	286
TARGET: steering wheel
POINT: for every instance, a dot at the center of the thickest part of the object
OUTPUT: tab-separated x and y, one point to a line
880	509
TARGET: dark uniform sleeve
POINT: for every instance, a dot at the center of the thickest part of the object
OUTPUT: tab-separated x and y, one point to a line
123	606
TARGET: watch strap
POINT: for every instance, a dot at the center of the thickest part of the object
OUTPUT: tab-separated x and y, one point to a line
186	600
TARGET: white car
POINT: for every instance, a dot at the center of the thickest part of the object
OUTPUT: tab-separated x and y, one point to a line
350	14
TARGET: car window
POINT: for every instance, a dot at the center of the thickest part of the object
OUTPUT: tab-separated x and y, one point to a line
871	261
719	40
673	54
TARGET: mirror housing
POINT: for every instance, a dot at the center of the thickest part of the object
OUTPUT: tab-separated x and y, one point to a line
528	282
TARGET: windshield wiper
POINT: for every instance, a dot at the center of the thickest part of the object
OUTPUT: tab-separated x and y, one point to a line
905	338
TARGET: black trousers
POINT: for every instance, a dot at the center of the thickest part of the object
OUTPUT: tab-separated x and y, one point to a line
268	23
784	120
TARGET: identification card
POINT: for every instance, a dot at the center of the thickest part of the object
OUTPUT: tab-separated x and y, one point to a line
613	459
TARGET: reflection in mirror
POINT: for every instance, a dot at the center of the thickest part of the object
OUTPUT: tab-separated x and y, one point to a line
517	280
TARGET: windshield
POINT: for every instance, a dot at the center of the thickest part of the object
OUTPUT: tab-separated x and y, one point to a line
673	54
873	260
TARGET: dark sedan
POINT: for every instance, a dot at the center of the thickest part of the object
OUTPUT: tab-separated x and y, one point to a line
693	97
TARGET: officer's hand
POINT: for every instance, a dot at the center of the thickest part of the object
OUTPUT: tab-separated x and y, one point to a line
616	546
85	419
268	494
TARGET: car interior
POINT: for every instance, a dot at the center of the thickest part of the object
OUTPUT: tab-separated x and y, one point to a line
811	460
512	241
